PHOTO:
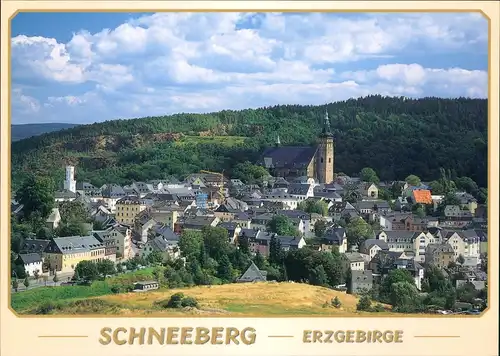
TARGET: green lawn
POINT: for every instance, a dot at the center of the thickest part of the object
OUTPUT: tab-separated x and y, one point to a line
30	299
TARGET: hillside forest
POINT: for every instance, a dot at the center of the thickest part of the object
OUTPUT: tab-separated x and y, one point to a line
394	136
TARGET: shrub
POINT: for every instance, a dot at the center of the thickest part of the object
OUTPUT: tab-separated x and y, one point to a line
378	308
364	303
189	302
175	300
336	302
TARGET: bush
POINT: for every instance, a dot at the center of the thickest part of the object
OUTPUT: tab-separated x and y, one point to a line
364	303
178	300
175	300
378	308
189	302
336	302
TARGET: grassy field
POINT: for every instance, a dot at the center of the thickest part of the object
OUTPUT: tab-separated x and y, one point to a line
238	300
27	301
221	140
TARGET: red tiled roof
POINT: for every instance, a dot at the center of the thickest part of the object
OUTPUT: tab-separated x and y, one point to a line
422	196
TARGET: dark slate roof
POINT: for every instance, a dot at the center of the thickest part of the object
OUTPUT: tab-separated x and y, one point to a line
335	235
298	188
65	194
165	232
253	273
113	191
28	258
287	241
437	248
34	246
294	214
354	257
291	157
368	244
130	199
250	233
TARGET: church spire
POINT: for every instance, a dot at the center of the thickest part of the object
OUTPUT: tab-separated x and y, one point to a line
326	125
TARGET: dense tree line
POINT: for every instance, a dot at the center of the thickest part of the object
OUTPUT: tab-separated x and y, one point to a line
395	136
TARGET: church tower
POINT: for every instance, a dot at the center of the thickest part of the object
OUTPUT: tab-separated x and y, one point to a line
325	154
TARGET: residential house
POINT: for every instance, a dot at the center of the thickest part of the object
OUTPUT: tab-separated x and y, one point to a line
100	213
163	240
198	222
242	219
34	246
360	281
233	230
416	270
253	274
354	261
54	219
127	209
236	204
123	240
401	204
105	237
89	190
32	263
465	243
413	242
260	221
291	242
313	219
111	193
371	247
467	201
334	237
421	196
65	195
225	213
384	258
62	254
369	190
342	210
439	255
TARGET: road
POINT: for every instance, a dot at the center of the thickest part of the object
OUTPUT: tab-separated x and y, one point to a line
41	283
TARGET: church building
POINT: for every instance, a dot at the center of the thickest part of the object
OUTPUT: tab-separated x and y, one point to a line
314	162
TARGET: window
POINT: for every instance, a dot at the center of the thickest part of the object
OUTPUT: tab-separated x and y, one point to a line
321	159
330	160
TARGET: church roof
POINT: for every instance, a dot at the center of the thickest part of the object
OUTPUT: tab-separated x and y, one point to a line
288	157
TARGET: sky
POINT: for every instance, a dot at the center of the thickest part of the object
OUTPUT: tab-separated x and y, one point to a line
91	67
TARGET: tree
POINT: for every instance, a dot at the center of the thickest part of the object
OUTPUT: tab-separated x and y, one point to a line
404	296
244	245
467	184
155	257
36	274
282	225
393	277
313	207
318	277
413	180
73	211
216	241
259	260
87	270
275	251
56	278
461	259
420	211
190	243
320	228
26	282
336	302
225	269
249	173
37	196
72	228
15	284
106	267
364	303
357	230
368	175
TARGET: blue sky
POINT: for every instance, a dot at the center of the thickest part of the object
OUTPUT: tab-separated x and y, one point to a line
88	67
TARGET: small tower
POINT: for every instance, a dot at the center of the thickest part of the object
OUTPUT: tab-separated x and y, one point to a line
70	182
325	153
278	142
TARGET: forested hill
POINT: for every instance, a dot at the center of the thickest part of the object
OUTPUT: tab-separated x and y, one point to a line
394	136
19	132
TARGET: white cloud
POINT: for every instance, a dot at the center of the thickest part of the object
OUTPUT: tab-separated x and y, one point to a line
174	62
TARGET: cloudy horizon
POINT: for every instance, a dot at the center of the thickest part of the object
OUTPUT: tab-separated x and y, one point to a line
84	68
